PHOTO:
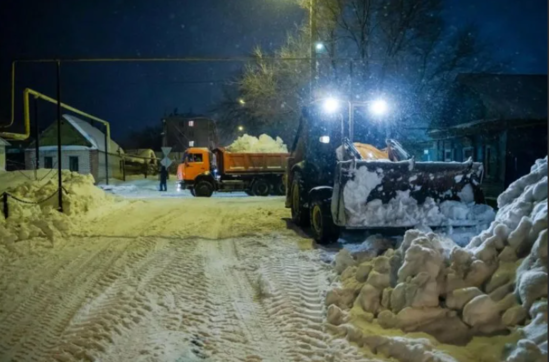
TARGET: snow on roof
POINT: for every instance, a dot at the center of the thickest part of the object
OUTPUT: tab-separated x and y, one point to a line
94	136
3	142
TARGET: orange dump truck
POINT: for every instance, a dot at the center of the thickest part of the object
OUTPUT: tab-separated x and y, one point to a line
259	174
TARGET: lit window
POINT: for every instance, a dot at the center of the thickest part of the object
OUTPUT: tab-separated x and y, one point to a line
191	123
191	143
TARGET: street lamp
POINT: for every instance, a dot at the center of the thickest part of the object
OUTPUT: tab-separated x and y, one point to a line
240	128
319	46
379	107
330	105
241	101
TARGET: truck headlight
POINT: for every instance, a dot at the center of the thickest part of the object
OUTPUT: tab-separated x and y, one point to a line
325	139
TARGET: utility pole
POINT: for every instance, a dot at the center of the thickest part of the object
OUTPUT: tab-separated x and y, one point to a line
59	176
312	25
36	135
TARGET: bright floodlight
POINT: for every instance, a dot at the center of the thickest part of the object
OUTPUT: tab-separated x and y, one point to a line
379	107
331	105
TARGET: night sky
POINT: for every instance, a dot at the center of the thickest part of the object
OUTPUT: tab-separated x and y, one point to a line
131	96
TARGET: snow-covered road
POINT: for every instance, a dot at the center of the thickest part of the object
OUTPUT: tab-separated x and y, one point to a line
170	280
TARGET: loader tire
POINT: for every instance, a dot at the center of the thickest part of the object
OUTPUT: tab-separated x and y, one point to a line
249	192
192	192
300	216
322	224
261	187
203	189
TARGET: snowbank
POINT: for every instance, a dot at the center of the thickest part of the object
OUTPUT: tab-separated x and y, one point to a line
26	221
435	296
264	144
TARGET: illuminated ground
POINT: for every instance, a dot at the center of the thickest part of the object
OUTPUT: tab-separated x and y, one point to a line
219	279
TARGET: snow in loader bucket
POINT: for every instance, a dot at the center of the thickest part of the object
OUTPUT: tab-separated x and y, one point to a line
370	194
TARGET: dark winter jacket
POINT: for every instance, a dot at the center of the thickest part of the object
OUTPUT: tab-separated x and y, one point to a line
163	174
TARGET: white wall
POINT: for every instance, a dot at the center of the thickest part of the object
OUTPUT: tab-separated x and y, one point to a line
83	159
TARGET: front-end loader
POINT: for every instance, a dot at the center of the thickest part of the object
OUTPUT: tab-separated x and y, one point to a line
337	184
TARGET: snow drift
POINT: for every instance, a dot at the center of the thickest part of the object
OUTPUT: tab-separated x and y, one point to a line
263	144
495	286
26	221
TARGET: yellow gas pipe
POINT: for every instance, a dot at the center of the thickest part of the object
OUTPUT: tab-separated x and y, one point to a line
26	113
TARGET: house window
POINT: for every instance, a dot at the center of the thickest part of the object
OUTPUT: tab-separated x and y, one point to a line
467	152
73	163
191	123
448	153
487	161
48	162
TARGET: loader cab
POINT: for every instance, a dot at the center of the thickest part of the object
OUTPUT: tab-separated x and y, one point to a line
196	161
322	134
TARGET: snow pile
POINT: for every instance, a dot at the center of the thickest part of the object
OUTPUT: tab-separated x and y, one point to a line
263	144
27	221
495	286
403	210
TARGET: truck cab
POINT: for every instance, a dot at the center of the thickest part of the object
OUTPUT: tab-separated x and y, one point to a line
196	172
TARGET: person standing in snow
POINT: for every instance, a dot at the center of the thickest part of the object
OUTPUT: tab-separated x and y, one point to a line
163	179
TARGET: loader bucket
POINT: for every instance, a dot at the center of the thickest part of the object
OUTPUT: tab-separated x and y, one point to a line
405	193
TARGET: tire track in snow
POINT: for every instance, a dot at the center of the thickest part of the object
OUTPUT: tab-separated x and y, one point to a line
35	325
240	330
296	306
114	305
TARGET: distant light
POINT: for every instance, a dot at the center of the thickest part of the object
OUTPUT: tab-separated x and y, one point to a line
331	105
324	139
241	101
379	107
240	128
319	46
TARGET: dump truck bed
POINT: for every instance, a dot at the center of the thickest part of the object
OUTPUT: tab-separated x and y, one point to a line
250	163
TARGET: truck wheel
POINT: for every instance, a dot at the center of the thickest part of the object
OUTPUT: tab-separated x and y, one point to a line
192	192
203	189
249	192
322	225
300	216
261	187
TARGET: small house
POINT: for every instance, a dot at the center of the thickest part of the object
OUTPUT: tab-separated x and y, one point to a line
497	119
82	150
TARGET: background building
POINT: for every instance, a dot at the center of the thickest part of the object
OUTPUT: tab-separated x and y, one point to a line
82	147
497	119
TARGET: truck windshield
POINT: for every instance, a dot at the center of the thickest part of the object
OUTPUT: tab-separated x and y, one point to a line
192	157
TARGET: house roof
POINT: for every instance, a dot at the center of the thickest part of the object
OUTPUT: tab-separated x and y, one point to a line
509	96
93	135
3	142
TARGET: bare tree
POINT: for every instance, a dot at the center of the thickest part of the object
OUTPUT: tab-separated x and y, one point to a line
401	49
